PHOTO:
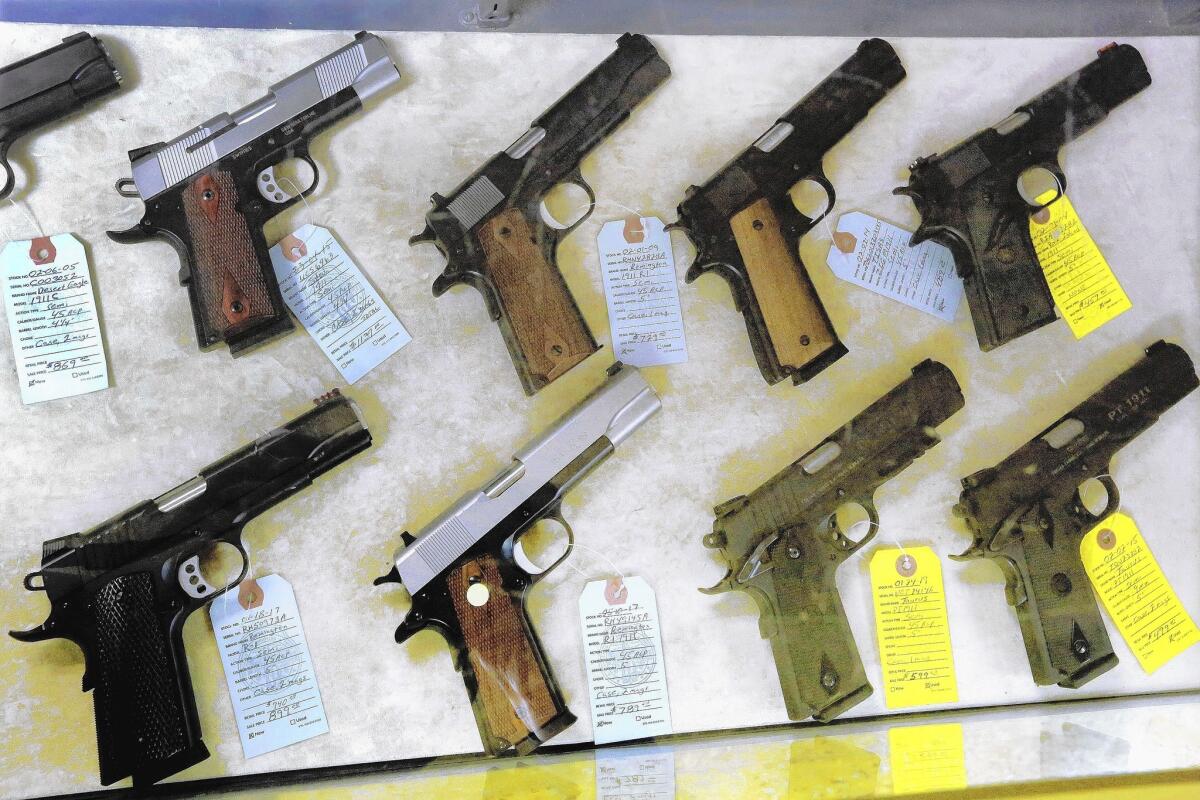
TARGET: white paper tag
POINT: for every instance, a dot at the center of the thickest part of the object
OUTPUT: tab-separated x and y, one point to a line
642	292
623	650
51	308
875	255
335	303
635	775
276	701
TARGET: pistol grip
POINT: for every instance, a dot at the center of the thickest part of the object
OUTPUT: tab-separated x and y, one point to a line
542	326
1006	290
1049	589
146	722
516	701
820	670
800	340
231	283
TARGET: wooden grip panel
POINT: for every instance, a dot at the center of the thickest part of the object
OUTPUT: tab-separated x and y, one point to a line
229	279
549	335
796	322
512	693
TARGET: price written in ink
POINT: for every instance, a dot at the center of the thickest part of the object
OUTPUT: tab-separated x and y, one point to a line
52	318
331	297
623	649
638	268
268	669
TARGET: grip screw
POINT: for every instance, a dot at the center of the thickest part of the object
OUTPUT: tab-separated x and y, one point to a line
1080	647
793	552
236	306
804	340
829	679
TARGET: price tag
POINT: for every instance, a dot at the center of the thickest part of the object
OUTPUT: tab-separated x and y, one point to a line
622	650
335	303
927	758
1135	592
1081	283
51	308
911	625
270	674
875	255
638	268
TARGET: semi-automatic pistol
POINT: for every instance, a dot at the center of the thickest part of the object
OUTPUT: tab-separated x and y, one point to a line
465	580
494	236
783	543
1029	518
210	191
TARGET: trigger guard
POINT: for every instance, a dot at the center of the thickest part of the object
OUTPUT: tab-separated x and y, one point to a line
578	180
531	570
872	526
10	178
830	197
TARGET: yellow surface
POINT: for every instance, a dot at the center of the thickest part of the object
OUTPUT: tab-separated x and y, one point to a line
1081	282
1135	592
927	758
911	626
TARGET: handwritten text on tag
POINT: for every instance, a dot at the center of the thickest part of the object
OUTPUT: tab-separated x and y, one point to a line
642	292
335	303
875	255
276	701
1083	286
1136	593
911	624
622	648
51	309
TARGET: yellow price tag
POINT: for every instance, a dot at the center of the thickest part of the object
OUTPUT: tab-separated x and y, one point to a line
912	629
1135	592
927	758
1081	282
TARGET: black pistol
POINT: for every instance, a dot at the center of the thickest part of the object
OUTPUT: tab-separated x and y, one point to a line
48	86
493	235
123	590
968	198
746	228
1028	517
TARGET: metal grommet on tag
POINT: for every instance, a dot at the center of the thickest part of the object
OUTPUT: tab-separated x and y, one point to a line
906	566
250	594
1106	539
292	247
634	230
615	592
41	251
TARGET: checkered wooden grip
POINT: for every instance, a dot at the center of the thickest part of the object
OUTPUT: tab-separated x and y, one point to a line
542	325
232	281
516	703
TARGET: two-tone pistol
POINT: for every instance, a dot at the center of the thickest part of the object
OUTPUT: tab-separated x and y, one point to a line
463	573
492	232
783	543
210	191
1028	516
49	85
123	590
969	200
746	228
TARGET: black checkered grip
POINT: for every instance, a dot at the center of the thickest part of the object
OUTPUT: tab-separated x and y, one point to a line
141	686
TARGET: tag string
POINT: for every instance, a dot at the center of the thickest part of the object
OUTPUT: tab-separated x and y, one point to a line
311	217
229	585
578	546
28	215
